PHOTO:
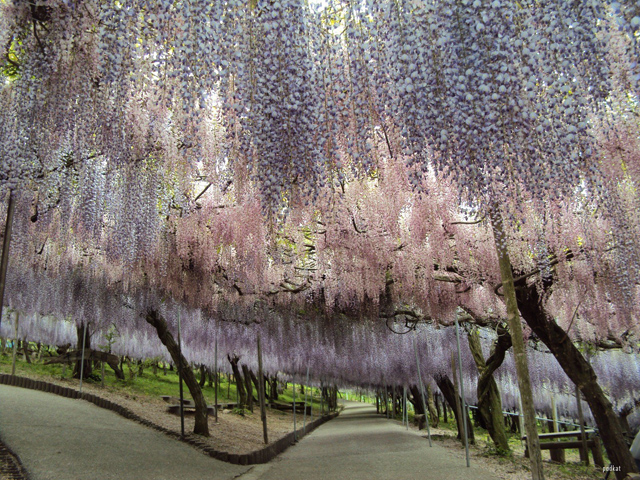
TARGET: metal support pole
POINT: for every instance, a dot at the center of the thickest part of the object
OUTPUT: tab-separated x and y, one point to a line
15	343
386	401
402	406
424	405
217	377
263	409
84	340
406	411
304	417
295	433
464	408
180	377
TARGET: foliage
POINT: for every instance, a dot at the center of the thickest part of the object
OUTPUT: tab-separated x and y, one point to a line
315	173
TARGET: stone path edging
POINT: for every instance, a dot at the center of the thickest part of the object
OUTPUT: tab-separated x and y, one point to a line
257	456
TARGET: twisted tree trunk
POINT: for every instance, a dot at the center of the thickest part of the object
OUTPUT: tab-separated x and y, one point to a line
201	423
83	331
273	389
416	399
433	413
448	392
580	372
203	375
489	402
242	392
248	386
519	350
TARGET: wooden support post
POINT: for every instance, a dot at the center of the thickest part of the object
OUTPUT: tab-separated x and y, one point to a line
464	403
6	243
556	455
180	378
584	453
518	345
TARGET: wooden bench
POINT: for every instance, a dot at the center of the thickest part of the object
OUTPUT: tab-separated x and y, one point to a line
188	406
289	407
175	400
593	443
175	409
226	406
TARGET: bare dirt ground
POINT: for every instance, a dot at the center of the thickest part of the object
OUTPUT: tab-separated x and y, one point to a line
233	433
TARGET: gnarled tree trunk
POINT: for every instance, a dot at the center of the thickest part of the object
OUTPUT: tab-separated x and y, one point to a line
416	399
273	389
248	386
489	402
431	406
519	349
242	392
95	355
203	375
83	331
201	422
580	372
448	392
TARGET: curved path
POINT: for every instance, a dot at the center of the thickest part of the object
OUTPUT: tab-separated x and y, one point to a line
58	438
359	444
62	439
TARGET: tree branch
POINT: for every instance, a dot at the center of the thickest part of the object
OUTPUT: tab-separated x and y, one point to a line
202	192
475	222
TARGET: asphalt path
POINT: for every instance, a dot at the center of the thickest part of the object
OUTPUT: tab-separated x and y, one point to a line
58	438
359	444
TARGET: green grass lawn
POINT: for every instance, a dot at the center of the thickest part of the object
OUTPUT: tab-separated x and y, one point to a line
163	382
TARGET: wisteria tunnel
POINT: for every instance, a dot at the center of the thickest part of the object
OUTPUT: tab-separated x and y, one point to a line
428	205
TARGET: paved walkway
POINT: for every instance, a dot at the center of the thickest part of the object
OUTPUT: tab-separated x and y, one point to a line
58	438
62	439
360	444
